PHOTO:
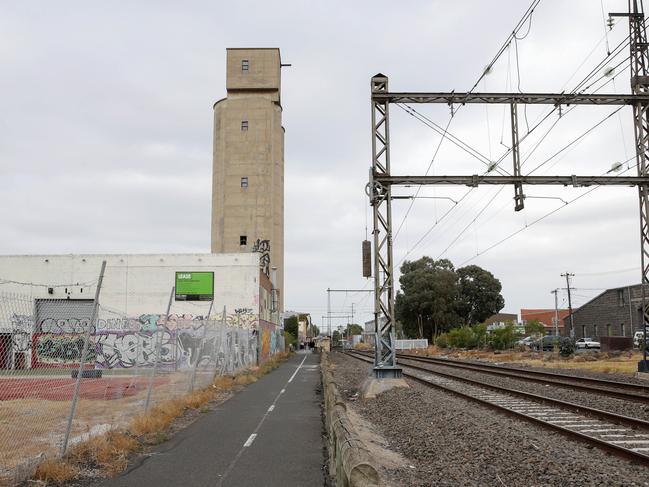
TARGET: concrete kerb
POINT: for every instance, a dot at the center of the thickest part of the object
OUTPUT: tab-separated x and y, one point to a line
349	459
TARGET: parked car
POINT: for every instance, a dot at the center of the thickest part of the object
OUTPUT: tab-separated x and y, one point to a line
587	343
546	343
526	342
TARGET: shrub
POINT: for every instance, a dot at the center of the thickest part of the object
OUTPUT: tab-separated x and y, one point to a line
503	338
442	341
462	337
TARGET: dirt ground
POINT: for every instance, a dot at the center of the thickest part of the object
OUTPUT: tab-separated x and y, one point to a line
33	425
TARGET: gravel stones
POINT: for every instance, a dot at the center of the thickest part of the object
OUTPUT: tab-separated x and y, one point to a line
449	441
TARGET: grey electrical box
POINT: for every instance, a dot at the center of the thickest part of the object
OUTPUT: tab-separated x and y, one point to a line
367	258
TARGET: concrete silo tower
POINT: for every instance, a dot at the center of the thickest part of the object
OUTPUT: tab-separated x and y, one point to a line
248	161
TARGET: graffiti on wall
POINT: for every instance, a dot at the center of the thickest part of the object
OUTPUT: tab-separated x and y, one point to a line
271	341
263	247
59	350
65	325
180	341
124	349
21	323
241	318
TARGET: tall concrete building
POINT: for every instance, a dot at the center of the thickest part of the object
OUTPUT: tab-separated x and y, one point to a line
248	162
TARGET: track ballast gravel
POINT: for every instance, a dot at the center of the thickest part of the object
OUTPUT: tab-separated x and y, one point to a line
634	409
450	441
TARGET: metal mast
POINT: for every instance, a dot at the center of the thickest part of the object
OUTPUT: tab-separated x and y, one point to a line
385	360
381	179
640	86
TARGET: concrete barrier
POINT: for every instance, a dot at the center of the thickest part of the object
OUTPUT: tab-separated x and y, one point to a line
349	459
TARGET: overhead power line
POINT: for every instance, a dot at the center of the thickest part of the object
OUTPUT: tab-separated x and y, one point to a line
513	234
527	15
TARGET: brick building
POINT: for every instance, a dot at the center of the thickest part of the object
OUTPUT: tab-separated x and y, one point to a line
545	316
615	312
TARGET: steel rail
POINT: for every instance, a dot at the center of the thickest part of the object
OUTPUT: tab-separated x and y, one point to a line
542	377
585	411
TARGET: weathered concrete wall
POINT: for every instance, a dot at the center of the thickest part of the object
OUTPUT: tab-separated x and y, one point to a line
134	284
133	300
350	462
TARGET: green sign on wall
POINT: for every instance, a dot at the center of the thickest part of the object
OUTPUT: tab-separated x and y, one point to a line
194	286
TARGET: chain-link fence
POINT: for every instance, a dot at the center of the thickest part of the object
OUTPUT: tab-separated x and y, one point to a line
70	370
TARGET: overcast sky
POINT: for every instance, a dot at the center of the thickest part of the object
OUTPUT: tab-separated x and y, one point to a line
106	135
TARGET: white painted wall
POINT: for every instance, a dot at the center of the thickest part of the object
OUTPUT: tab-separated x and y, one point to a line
134	284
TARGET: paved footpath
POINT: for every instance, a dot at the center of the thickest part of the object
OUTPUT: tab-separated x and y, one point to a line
269	434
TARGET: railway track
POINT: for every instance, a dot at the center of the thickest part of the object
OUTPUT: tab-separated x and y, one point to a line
622	435
622	390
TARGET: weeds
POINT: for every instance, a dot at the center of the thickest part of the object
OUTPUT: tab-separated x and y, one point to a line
56	471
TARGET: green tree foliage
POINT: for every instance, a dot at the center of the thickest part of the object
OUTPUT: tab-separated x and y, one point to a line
478	294
466	336
434	297
534	328
425	304
504	338
290	325
289	338
353	329
335	338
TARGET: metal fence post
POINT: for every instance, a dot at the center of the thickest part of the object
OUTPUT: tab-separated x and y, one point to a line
86	341
202	347
158	349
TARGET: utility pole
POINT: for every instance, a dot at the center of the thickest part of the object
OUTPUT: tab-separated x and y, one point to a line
567	275
329	310
556	311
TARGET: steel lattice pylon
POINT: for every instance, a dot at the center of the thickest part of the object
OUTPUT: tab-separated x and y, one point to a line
385	364
640	86
381	181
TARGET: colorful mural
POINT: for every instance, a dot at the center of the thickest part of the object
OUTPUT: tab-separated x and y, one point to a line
271	340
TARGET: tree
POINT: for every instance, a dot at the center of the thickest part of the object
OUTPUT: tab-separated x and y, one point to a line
425	304
289	338
534	328
479	294
290	325
335	338
353	329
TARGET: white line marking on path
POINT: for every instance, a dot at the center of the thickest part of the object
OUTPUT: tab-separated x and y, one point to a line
297	370
252	437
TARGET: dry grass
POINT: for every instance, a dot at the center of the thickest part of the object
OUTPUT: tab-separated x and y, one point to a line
56	472
158	418
245	379
109	452
611	362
